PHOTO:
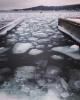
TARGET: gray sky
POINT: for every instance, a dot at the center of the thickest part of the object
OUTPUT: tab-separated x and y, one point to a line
10	4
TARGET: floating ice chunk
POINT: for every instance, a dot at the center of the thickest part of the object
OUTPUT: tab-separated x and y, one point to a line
41	82
21	48
64	84
25	72
43	41
33	39
11	41
3	49
75	47
77	84
50	45
52	72
74	82
40	35
4	96
56	57
51	95
40	46
35	52
20	29
42	62
65	94
67	50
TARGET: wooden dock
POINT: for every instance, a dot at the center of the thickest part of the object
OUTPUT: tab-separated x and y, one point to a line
4	31
9	26
70	27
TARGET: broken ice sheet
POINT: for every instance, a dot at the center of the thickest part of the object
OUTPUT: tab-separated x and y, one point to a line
21	48
35	52
24	73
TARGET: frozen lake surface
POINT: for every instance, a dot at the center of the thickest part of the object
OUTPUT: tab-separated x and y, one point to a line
30	69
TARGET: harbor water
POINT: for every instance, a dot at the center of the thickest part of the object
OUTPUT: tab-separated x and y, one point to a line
29	68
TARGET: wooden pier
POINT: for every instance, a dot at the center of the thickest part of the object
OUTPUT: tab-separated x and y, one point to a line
9	26
70	27
4	31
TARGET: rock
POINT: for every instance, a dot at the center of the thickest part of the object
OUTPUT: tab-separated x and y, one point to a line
56	57
21	48
35	52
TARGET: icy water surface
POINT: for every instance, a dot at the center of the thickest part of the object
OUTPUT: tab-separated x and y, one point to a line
30	70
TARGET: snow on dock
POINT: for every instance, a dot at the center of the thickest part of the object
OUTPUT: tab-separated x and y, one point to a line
9	26
70	27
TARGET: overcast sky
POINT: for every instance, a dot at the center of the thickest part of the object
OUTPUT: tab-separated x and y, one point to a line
10	4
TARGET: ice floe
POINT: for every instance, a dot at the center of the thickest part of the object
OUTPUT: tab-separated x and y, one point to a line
75	47
56	57
33	39
21	48
3	49
24	73
65	94
52	72
40	46
43	41
40	35
50	96
35	52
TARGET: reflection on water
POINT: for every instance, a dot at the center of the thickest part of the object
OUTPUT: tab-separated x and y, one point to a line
30	70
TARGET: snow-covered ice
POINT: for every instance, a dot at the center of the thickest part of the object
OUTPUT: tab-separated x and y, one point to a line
56	57
24	73
21	48
35	52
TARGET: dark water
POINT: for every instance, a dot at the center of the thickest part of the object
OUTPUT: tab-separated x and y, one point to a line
30	70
